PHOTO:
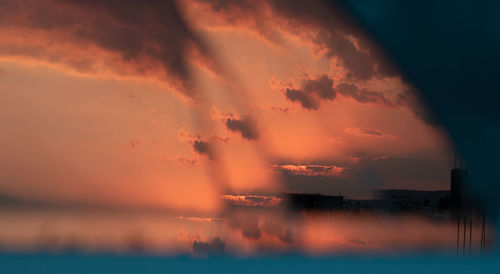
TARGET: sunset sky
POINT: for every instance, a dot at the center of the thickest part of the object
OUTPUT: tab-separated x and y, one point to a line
175	104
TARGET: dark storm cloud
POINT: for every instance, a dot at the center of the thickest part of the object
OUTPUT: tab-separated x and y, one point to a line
332	29
364	95
149	35
312	91
245	127
202	147
306	100
322	86
199	145
360	65
363	61
362	58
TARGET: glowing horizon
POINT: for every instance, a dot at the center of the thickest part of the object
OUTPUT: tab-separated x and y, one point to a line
217	99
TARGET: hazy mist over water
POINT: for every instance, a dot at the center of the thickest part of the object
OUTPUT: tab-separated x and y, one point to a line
239	232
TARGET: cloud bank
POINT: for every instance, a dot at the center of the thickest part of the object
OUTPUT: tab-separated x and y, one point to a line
125	38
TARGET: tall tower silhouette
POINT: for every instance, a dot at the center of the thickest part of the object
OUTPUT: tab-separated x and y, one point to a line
459	176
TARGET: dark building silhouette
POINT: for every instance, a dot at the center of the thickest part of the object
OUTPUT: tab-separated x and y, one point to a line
303	201
458	182
426	202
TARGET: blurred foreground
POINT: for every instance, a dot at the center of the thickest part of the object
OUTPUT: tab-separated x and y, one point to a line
236	232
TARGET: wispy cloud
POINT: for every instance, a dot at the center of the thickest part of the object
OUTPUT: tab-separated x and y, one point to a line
252	200
368	132
311	170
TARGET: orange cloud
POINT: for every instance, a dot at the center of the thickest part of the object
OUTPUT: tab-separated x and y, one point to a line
324	27
96	37
233	122
252	200
148	41
311	170
199	145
